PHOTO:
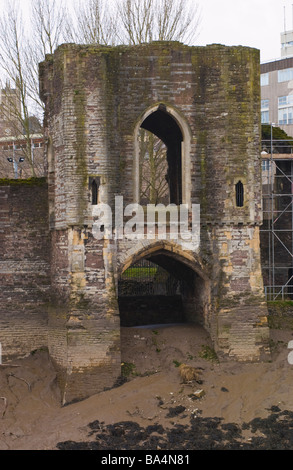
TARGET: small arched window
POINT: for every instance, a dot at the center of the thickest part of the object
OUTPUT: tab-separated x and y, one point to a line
94	189
94	193
239	189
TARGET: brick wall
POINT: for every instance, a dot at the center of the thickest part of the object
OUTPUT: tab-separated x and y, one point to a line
25	265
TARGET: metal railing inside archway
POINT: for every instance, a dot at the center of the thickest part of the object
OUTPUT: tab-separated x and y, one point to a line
146	278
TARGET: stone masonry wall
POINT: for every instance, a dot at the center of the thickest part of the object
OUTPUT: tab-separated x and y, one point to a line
24	267
96	99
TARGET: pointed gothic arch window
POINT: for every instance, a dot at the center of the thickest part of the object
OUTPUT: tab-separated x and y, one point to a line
162	125
94	190
173	131
239	190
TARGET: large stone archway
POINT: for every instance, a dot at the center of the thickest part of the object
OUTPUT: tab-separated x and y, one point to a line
182	266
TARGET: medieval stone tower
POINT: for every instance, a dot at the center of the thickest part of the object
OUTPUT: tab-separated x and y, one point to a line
203	103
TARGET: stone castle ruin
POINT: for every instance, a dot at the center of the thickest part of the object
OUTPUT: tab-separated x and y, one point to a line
59	281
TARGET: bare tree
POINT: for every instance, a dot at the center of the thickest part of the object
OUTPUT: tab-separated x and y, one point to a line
94	23
133	21
153	169
12	57
48	20
137	19
23	44
162	20
177	20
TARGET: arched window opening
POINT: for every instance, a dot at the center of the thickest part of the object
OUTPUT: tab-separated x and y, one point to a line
94	193
239	194
160	163
94	187
153	184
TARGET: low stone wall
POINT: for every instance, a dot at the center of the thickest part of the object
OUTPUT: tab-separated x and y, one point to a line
24	266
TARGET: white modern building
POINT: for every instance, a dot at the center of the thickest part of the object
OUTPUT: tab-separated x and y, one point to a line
277	87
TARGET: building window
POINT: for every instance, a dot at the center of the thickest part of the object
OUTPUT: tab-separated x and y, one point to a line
286	44
264	79
285	109
239	194
265	119
265	165
285	75
265	112
285	100
285	116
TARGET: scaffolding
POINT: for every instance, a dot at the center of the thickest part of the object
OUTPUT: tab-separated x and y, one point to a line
277	230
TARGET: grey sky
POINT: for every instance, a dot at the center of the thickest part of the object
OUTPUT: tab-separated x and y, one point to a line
254	23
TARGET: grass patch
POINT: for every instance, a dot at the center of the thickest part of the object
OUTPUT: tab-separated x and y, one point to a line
139	273
176	363
155	340
209	354
127	369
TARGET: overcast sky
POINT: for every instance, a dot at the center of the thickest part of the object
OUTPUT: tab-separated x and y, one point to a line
254	23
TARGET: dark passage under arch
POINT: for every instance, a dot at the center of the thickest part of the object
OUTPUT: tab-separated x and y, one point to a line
161	289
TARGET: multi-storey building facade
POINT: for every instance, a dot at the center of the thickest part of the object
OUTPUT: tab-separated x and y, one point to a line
277	87
21	150
277	93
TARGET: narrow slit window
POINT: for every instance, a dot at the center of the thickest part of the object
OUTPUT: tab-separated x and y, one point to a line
94	193
239	194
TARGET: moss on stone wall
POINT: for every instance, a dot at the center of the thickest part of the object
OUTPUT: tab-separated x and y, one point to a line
79	100
22	182
280	315
202	151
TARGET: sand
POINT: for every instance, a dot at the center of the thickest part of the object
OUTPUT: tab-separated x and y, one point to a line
153	396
